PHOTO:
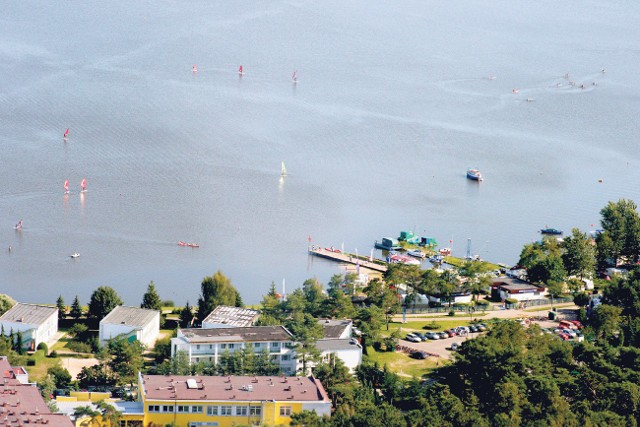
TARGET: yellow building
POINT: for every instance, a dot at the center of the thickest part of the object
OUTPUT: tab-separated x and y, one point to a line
194	401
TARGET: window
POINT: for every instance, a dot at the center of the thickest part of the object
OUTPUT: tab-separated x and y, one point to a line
223	346
196	409
167	408
275	345
225	410
285	411
255	410
210	346
285	357
212	410
241	410
198	347
182	408
231	345
197	359
154	408
257	345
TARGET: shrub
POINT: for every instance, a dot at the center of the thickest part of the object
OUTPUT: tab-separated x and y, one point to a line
77	329
452	313
43	346
167	303
433	325
79	347
53	354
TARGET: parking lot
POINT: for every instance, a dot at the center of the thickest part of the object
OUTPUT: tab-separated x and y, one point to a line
441	347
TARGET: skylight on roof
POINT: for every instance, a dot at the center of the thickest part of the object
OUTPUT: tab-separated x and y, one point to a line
191	383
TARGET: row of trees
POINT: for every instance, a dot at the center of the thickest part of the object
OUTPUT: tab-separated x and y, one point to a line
618	242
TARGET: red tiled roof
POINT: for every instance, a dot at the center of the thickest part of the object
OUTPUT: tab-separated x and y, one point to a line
234	388
22	404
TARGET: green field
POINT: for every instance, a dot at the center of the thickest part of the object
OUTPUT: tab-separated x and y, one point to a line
402	364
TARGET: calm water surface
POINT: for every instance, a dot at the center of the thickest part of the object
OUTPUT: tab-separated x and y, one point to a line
394	103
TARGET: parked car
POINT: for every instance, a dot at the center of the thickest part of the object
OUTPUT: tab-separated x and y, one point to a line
433	336
473	328
577	323
451	332
481	327
455	346
564	336
462	330
413	338
570	332
419	355
443	335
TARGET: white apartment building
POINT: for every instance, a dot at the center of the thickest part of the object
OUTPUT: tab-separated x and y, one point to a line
208	345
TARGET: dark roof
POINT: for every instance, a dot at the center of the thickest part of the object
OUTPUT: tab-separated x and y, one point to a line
334	328
130	316
248	334
30	314
233	388
22	404
232	316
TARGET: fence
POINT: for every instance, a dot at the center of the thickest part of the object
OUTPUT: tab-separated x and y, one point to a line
421	308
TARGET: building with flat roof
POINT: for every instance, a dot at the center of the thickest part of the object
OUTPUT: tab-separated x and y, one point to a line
37	323
224	316
133	323
230	400
208	345
505	287
348	350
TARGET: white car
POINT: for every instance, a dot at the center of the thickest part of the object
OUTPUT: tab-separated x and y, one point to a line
413	338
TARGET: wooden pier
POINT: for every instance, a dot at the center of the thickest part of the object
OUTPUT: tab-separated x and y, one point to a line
336	255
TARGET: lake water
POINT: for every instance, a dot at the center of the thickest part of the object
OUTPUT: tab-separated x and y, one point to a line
394	102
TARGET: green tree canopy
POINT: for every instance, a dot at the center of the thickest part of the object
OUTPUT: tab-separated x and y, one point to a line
6	302
103	301
620	240
76	309
62	309
151	299
215	290
579	255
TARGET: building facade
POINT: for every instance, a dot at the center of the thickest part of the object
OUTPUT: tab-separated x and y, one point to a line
208	345
133	323
185	401
36	323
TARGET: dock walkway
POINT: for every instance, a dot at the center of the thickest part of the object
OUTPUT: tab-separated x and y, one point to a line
338	256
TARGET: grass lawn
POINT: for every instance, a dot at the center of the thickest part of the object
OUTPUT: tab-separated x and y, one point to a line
444	315
402	364
39	372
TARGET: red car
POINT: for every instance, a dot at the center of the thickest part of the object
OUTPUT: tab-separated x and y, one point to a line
564	336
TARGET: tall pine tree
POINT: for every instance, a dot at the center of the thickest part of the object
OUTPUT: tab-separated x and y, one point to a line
76	308
151	299
62	309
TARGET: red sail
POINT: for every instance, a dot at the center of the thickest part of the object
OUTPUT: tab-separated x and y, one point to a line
66	133
83	184
240	70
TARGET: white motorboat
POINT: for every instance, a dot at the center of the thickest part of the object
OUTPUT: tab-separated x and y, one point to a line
74	255
417	253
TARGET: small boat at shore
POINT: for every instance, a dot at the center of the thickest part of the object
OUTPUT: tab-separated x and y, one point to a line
417	253
436	259
396	258
551	231
189	245
474	175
